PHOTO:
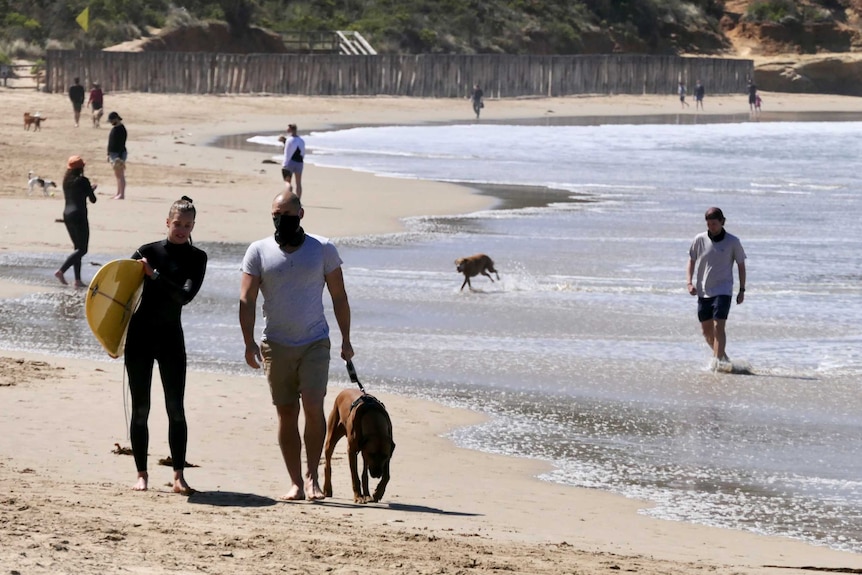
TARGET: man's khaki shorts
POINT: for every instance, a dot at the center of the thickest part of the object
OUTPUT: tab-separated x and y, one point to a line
296	370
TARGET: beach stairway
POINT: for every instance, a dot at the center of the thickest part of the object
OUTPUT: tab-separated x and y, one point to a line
352	43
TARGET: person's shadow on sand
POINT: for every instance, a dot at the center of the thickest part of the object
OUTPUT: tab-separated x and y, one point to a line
434	510
393	507
230	499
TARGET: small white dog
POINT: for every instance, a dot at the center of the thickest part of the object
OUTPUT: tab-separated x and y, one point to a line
41	183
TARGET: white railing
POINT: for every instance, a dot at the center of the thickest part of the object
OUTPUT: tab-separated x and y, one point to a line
353	44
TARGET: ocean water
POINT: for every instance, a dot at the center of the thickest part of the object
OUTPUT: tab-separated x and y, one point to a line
587	351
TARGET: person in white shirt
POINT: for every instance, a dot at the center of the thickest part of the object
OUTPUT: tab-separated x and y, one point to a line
711	257
294	155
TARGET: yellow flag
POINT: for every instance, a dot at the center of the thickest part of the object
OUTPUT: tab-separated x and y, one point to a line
83	19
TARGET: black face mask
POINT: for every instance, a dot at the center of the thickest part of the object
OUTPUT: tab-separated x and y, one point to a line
287	230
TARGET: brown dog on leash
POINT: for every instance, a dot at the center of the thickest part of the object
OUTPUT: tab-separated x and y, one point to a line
475	265
365	422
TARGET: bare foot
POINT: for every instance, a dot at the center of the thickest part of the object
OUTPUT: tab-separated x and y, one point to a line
295	494
118	197
59	275
141	485
80	284
312	488
181	487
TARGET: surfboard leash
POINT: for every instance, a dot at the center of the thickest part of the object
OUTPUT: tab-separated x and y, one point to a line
127	400
351	371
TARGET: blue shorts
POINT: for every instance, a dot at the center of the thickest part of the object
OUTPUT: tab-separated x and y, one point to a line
717	307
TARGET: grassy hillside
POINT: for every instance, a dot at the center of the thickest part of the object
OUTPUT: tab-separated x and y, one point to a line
28	27
411	26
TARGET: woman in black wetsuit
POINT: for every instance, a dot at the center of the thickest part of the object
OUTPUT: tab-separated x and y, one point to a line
174	273
77	189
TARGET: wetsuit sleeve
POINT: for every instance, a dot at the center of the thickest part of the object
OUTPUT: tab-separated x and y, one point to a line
183	294
88	187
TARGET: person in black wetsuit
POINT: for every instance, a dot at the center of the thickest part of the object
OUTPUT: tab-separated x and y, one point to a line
174	273
77	190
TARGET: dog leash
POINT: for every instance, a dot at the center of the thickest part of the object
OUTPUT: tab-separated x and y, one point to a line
351	371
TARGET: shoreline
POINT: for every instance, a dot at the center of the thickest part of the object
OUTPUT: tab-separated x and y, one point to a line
590	525
439	503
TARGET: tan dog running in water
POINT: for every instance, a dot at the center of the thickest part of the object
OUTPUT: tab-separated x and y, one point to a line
475	265
365	422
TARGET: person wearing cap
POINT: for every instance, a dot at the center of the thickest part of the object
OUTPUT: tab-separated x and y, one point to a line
294	155
77	189
711	256
117	152
96	101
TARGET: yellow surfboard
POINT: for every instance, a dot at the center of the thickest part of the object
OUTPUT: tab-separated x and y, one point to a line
112	298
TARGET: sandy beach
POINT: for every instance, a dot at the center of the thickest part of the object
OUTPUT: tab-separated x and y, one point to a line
65	502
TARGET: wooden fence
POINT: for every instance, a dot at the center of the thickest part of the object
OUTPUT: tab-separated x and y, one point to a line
424	75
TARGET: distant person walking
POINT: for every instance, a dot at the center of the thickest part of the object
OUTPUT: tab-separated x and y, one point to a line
96	103
4	73
77	190
477	97
117	153
681	90
294	159
752	95
709	276
757	103
699	91
76	95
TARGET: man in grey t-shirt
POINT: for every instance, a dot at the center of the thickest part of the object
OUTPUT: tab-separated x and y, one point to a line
711	257
291	269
